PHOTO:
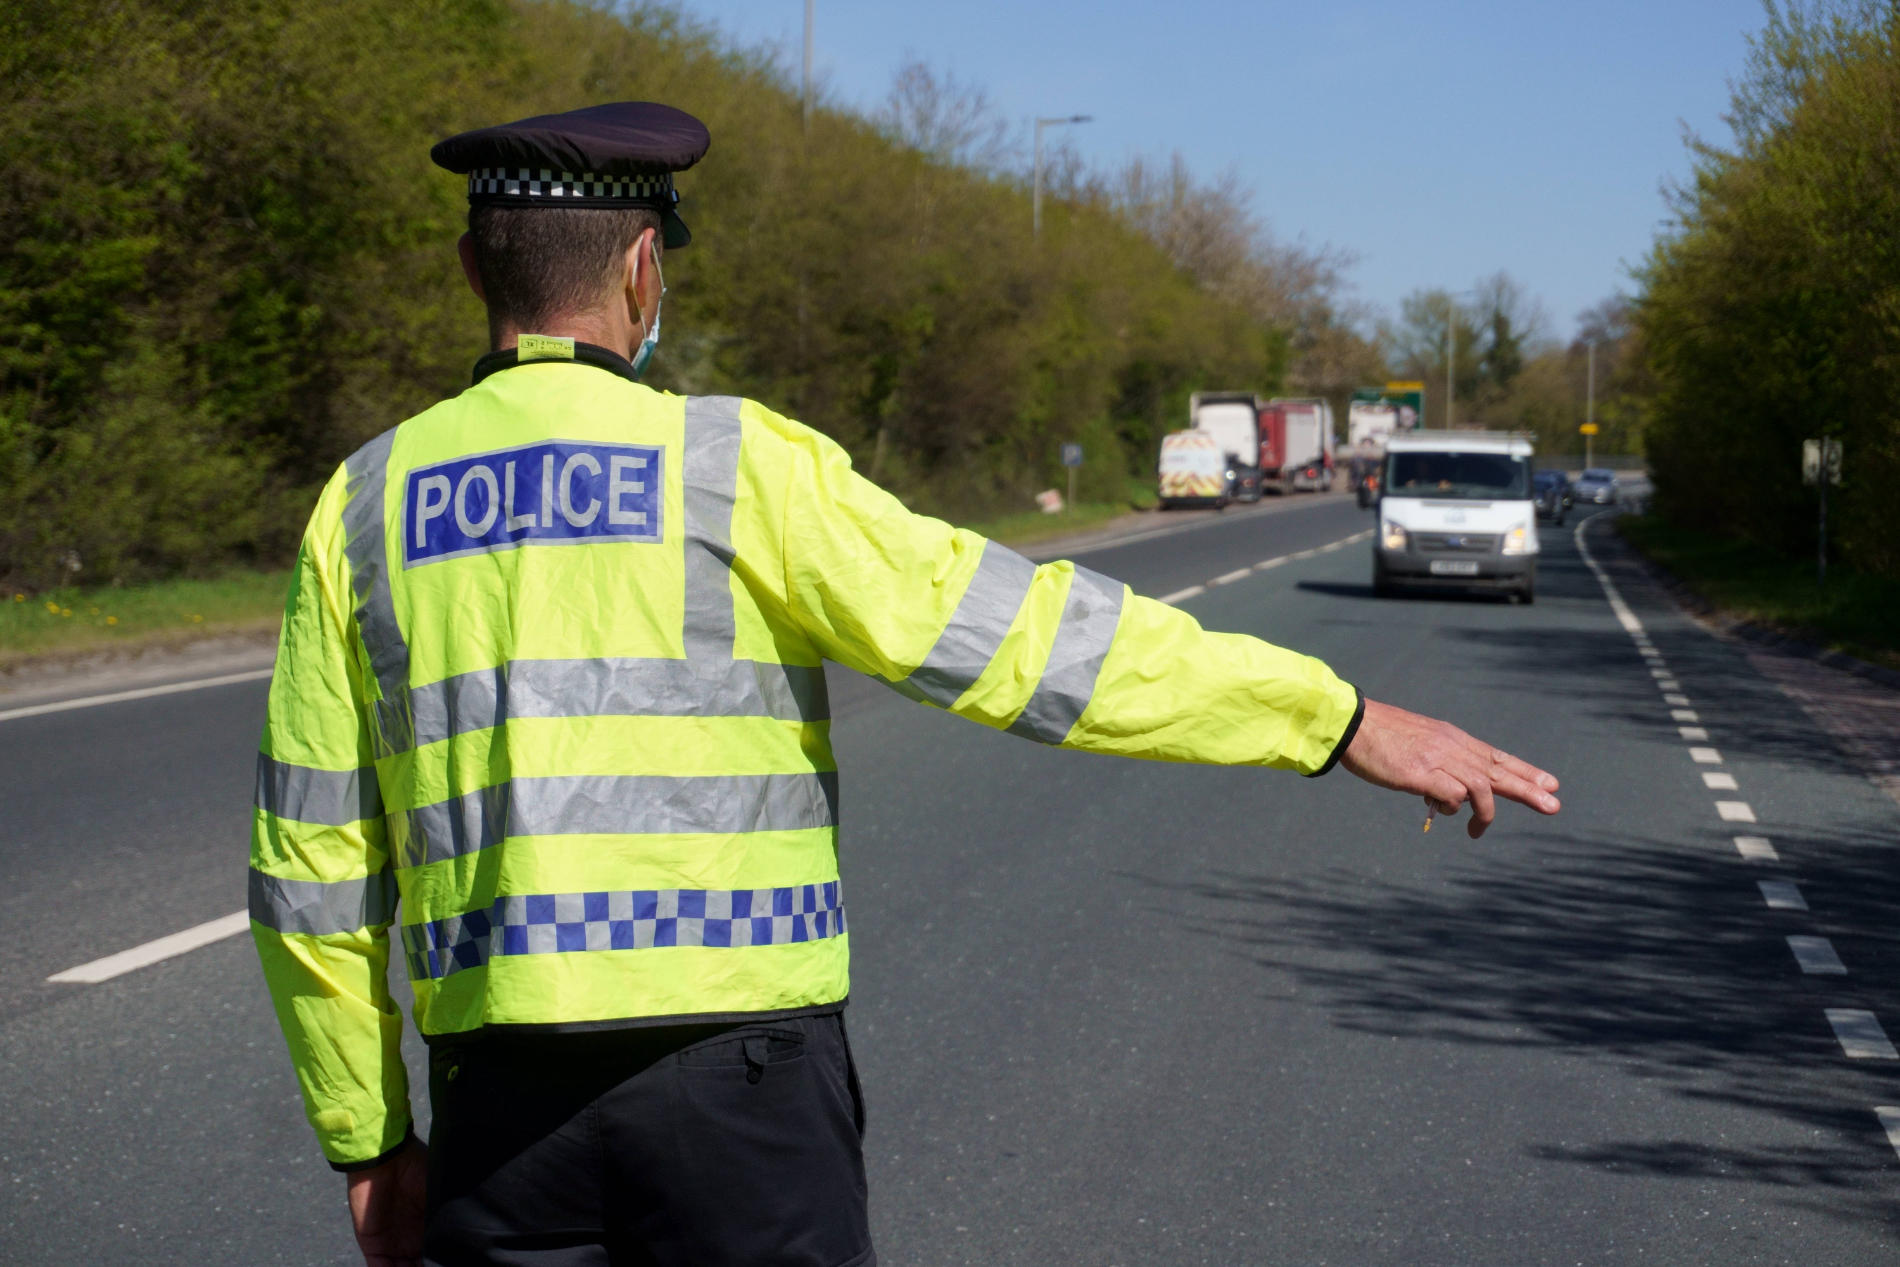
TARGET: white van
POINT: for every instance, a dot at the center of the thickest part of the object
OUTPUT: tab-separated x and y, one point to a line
1456	508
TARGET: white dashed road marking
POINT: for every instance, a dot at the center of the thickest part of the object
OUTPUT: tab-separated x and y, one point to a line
1756	849
1683	714
1889	1122
1228	578
1718	780
153	951
1189	592
1693	732
1705	756
1860	1034
1264	564
1735	811
1681	701
1782	895
1816	955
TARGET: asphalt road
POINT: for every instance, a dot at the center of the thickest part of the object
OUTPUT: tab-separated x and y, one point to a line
1117	1013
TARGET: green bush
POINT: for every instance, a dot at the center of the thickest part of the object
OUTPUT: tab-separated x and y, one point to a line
226	261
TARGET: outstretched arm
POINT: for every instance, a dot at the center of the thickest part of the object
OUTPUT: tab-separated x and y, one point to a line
1408	752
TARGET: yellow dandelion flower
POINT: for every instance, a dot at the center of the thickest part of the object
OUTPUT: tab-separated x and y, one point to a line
197	620
19	598
65	611
112	620
53	607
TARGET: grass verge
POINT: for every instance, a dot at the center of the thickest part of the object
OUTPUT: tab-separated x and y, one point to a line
79	621
1850	612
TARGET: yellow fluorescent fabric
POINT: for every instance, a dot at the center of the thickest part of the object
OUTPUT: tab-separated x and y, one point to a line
597	769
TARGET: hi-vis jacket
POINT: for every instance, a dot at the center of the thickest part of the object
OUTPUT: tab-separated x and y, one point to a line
549	700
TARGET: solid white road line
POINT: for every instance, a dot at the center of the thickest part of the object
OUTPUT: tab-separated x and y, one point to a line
1718	780
1178	595
1228	578
144	692
1782	895
1860	1034
1756	849
1683	714
1889	1122
153	951
1735	811
1692	732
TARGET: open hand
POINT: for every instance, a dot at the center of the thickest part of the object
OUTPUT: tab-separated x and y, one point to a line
1408	752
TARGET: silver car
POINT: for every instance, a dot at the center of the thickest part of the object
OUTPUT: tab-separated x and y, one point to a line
1595	485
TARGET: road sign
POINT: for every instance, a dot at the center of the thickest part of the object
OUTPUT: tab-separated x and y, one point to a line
1811	461
1071	455
1588	429
1407	398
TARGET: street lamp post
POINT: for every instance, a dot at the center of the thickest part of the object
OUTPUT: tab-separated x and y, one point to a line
809	6
1035	213
1590	408
1451	353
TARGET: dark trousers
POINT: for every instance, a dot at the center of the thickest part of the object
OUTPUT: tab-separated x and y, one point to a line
688	1145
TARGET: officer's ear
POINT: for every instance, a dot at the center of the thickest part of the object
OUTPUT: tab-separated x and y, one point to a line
465	247
641	282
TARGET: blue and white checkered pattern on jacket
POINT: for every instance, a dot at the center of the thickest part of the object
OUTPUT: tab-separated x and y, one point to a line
637	919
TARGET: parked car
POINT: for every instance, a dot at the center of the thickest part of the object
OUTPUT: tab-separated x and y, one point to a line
1552	495
1596	485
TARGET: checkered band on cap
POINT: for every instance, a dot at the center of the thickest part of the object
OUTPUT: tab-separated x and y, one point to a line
524	182
640	919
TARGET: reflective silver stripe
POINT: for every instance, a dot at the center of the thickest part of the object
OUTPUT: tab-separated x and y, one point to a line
367	551
1089	618
611	805
617	688
316	908
328	798
984	613
710	474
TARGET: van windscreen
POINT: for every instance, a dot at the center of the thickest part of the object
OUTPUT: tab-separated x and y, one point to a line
1469	476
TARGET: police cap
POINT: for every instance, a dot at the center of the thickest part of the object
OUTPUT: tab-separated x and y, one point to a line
622	154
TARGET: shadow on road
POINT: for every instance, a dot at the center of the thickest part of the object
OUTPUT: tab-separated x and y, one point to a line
1646	954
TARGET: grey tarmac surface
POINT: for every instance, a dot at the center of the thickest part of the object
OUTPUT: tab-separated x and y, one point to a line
1115	1013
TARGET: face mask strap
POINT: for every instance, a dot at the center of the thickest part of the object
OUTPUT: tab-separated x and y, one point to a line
644	353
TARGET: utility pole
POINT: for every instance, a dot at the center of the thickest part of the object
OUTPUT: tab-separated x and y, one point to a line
1590	408
1451	358
1035	213
810	5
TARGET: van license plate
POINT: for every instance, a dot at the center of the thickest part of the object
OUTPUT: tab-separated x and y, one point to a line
1454	567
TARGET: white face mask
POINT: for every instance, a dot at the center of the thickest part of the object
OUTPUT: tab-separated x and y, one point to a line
644	353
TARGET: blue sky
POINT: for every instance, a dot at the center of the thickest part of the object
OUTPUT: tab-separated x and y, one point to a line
1438	142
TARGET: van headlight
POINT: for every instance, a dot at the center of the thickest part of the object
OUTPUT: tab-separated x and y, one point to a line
1517	540
1391	536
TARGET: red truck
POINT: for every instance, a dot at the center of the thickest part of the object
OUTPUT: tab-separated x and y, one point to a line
1296	445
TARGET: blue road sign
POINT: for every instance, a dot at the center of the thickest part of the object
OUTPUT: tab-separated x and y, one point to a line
1071	455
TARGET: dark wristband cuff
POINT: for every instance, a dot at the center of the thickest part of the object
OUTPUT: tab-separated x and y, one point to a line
346	1167
1345	740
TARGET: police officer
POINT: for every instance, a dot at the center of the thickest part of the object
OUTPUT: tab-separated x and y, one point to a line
549	700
